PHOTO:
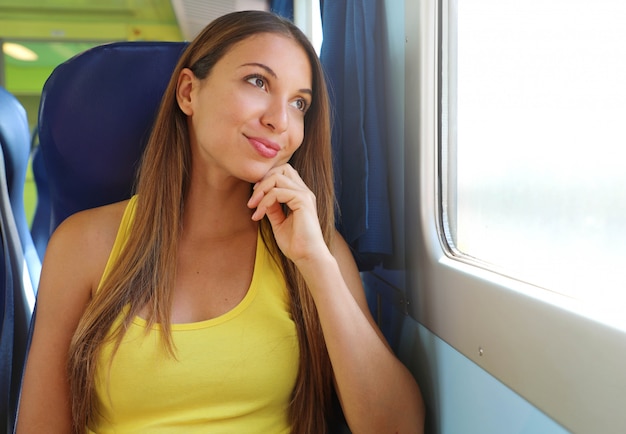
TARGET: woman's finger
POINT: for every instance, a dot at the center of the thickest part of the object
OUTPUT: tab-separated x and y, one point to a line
294	199
281	177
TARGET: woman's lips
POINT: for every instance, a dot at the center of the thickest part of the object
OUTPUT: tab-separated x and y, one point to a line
265	148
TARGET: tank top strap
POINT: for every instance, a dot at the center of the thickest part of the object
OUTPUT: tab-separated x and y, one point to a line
121	237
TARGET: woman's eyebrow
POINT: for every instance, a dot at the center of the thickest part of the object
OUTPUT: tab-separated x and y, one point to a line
267	69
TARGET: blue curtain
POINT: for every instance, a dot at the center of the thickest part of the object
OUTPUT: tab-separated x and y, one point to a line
351	56
283	8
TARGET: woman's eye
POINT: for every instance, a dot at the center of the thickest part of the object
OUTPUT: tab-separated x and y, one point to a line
300	104
256	81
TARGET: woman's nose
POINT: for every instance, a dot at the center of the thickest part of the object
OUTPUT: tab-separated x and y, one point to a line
276	116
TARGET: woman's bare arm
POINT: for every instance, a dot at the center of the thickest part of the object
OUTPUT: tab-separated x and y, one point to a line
377	393
74	261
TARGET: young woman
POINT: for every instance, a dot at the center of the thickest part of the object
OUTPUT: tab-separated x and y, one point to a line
220	297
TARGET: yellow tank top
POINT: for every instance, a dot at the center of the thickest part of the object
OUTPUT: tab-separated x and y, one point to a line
232	374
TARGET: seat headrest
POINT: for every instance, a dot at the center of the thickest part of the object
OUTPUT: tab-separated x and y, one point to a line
95	116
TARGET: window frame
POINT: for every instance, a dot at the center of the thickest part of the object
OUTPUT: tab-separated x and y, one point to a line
558	353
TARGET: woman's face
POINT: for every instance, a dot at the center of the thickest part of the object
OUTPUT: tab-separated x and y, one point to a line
247	115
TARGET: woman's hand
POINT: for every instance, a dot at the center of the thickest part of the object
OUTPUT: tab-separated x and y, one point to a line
298	232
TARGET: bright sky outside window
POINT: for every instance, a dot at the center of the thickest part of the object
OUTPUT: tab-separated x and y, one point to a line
539	145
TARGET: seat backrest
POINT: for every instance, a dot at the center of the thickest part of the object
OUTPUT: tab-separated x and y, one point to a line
19	263
95	116
15	143
16	307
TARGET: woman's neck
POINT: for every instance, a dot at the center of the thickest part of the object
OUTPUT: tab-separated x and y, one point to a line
217	211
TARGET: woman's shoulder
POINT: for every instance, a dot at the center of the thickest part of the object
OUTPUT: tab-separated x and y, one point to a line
91	225
82	242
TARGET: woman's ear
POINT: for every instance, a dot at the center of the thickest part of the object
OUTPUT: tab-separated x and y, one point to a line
184	87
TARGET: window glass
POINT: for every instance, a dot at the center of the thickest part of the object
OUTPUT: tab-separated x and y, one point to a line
307	16
534	97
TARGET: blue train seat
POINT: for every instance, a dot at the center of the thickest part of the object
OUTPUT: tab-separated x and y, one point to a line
95	116
16	289
15	142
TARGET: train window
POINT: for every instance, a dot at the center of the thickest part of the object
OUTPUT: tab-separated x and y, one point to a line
307	16
534	100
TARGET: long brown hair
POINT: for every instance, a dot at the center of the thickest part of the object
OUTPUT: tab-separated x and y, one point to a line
144	274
